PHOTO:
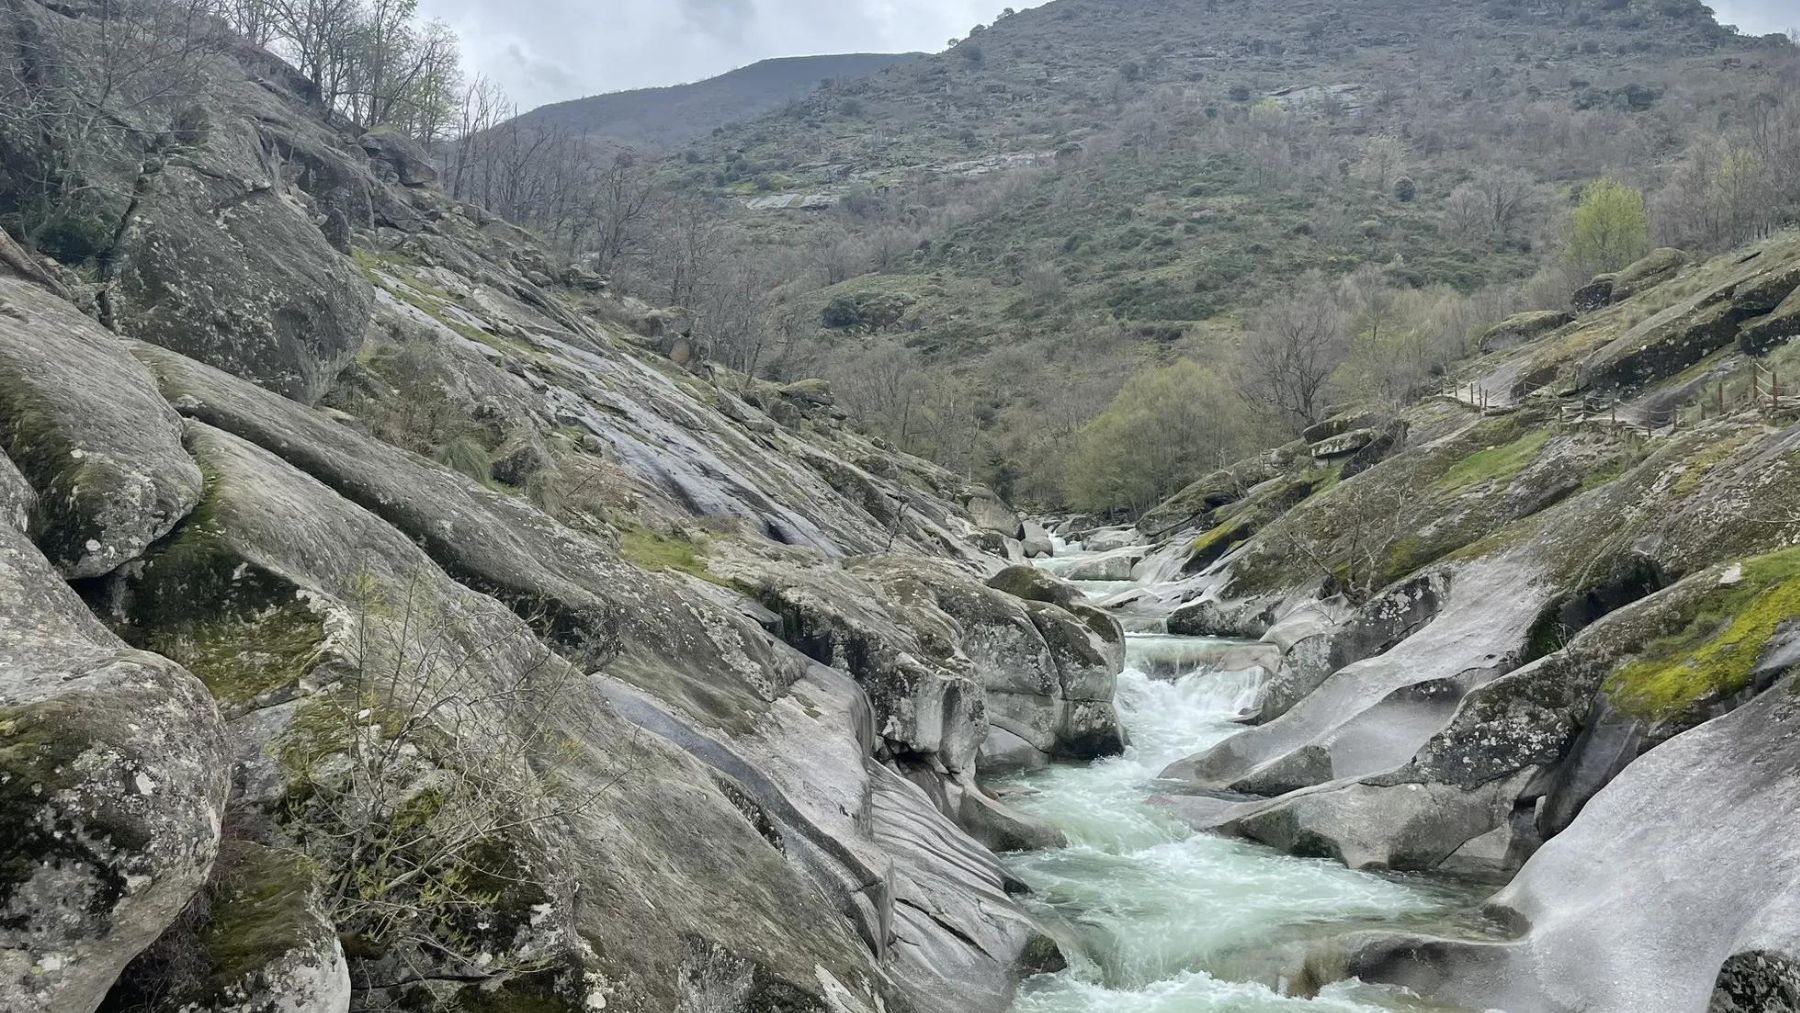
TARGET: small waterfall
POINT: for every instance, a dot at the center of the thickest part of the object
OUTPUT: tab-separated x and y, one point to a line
1171	921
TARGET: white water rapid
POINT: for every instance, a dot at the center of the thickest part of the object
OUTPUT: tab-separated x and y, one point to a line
1171	921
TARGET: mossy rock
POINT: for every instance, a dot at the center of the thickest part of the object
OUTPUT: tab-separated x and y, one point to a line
249	634
1495	465
1715	646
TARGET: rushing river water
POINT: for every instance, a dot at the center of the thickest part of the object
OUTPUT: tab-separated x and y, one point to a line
1177	922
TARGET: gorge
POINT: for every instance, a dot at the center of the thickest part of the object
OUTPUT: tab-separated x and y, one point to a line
398	612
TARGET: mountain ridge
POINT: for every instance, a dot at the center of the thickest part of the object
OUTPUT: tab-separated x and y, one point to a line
674	114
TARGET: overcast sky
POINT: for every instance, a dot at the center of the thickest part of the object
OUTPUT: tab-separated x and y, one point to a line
546	50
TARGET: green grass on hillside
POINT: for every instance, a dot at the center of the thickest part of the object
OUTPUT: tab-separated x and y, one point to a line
1495	464
1713	653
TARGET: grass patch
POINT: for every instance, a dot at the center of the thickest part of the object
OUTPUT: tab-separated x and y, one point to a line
1723	634
1494	464
1694	475
660	553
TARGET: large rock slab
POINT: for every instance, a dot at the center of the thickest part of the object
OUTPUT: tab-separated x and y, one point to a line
990	513
1677	880
1374	714
1047	671
1520	328
931	904
113	773
85	425
680	638
627	870
220	259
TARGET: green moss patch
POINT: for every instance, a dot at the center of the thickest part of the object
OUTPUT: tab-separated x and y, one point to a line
651	550
1217	541
1495	464
244	631
41	748
260	910
1721	637
1693	477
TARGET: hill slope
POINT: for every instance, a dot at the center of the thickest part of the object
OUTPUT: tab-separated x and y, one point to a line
680	113
1117	184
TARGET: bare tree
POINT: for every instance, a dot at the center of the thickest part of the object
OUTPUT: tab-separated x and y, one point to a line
1295	345
1493	204
102	127
624	193
1353	544
425	770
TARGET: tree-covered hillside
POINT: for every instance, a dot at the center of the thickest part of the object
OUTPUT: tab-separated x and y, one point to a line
684	112
980	247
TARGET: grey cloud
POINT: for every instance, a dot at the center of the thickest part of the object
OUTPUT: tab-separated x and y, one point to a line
727	20
548	50
1758	17
544	75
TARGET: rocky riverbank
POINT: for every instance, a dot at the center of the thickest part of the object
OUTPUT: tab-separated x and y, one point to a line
387	616
1511	633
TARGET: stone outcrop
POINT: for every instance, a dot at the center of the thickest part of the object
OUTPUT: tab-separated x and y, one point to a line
1695	327
621	586
989	513
1702	826
83	421
112	786
1520	328
1557	632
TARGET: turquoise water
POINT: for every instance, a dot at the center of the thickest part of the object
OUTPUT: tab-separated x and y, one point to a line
1170	921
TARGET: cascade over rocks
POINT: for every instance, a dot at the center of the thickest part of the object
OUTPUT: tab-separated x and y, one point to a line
1562	627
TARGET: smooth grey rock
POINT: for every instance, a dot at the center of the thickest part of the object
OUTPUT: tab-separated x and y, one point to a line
1374	714
399	155
1110	539
1113	564
1319	639
113	774
589	601
991	514
927	699
1048	675
17	500
630	871
1342	444
85	425
929	902
1672	880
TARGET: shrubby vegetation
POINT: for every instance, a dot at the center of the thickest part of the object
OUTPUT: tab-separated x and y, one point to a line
1609	228
1000	239
1166	425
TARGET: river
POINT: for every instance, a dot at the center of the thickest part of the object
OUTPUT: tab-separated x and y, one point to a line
1171	921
